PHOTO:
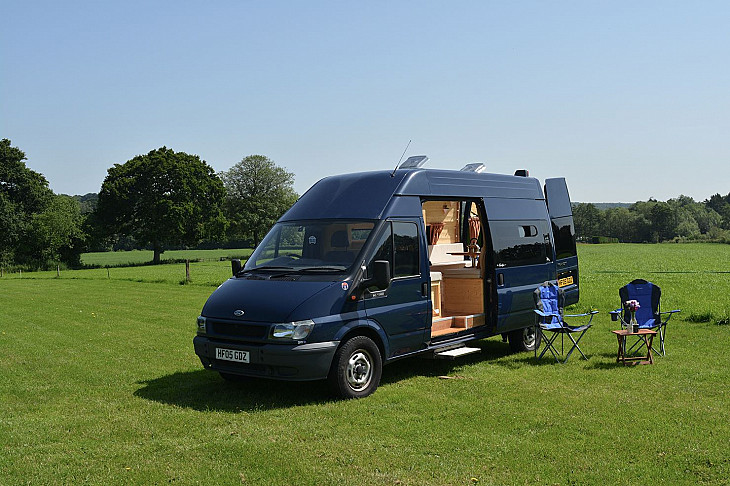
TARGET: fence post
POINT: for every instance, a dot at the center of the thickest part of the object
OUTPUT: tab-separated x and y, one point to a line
107	273
187	270
58	270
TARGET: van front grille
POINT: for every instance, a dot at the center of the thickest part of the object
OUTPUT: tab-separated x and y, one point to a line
238	330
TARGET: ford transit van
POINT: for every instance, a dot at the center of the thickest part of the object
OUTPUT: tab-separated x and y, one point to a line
369	268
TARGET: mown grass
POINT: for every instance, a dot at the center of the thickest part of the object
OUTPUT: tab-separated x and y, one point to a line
134	257
100	385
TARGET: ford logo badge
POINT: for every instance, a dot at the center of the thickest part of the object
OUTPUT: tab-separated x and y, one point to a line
238	313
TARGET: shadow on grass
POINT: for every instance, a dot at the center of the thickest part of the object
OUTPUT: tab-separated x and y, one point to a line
204	390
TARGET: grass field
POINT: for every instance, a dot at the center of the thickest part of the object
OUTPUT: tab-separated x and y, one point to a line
118	258
100	385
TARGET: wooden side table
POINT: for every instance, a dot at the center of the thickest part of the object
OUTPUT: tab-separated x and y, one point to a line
647	335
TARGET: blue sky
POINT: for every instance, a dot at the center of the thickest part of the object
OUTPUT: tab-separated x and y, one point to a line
626	99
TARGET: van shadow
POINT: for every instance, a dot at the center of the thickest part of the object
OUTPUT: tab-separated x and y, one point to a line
205	391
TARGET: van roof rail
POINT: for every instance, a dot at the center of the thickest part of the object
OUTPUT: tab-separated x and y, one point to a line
414	162
522	173
475	167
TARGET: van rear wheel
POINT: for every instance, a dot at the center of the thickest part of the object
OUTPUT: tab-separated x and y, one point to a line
524	339
356	368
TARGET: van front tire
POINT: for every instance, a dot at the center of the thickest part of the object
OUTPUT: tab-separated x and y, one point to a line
524	339
356	368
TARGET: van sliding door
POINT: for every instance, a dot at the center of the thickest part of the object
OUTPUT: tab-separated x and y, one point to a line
561	218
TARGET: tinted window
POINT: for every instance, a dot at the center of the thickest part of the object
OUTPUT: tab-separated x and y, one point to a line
521	243
564	233
398	244
384	249
405	238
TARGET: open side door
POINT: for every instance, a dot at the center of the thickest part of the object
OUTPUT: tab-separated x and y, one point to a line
566	255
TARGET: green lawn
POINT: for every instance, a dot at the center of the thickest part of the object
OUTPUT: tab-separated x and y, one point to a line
100	385
118	258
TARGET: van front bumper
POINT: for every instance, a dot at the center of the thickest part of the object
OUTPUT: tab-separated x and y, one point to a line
295	362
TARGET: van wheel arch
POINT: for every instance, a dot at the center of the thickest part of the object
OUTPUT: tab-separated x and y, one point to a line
367	332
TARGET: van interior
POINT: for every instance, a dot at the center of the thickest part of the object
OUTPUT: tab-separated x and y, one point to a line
456	250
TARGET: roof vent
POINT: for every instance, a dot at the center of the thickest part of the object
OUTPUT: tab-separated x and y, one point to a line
414	162
475	167
522	173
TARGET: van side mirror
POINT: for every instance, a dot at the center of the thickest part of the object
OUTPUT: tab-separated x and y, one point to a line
235	266
381	276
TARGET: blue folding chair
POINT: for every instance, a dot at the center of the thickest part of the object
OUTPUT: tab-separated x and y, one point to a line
550	322
648	315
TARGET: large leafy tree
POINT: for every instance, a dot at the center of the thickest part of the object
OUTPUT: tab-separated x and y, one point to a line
37	228
258	193
23	192
162	198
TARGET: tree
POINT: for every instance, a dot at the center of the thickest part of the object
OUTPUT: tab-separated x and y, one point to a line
55	234
721	205
258	193
587	219
38	229
162	198
23	192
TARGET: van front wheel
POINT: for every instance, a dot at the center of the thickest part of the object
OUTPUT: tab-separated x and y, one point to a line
524	339
356	368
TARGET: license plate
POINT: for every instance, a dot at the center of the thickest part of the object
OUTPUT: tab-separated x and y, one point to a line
232	355
563	282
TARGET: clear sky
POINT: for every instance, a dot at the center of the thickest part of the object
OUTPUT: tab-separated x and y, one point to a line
626	99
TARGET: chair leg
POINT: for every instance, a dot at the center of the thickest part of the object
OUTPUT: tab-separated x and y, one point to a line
575	346
549	345
662	332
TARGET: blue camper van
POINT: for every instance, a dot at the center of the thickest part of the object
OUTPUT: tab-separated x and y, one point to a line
369	268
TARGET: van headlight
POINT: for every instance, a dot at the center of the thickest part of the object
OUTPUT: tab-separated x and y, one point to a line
201	324
293	330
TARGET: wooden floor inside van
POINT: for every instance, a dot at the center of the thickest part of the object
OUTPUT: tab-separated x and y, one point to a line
442	326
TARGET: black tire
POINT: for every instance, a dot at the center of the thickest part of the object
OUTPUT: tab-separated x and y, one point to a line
356	368
524	339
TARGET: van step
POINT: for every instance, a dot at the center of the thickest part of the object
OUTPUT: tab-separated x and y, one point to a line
455	352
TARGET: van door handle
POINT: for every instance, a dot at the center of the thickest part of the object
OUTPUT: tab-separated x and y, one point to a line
424	289
500	279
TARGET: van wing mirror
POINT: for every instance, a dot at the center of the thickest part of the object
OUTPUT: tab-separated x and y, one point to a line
381	276
235	266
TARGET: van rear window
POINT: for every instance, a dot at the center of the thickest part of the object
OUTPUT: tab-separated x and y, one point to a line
564	232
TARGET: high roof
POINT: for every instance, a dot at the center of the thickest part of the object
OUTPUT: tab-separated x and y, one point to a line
365	195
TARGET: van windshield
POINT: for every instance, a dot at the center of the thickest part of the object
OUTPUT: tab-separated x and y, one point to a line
311	246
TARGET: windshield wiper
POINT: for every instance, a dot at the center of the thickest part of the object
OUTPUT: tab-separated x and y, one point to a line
323	269
265	267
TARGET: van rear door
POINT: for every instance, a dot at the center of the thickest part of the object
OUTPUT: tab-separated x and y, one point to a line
561	217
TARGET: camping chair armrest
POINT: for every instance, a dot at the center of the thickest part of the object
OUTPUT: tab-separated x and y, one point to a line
591	313
669	316
546	314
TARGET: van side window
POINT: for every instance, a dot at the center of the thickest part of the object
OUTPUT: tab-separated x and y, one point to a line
405	237
398	244
521	243
384	249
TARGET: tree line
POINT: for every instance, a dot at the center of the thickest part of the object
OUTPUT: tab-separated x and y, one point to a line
652	221
160	200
